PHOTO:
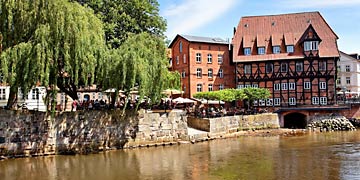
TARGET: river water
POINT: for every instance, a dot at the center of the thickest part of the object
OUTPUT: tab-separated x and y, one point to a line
333	155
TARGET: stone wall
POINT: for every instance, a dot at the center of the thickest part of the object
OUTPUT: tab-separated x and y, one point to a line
228	124
36	133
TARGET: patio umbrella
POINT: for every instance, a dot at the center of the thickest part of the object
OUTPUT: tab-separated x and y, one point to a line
181	100
169	92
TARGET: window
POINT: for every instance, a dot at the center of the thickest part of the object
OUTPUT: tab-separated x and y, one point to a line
284	86
276	49
323	100
177	59
322	85
240	86
247	85
277	101
210	87
307	85
290	48
180	46
198	72
311	45
338	81
284	67
299	66
221	87
255	85
2	94
247	51
184	58
255	103
183	74
221	73
210	73
62	98
348	80
35	93
292	86
261	102
247	69
100	95
209	57
292	101
269	102
322	65
339	68
347	68
269	67
198	57
93	94
315	100
220	58
199	87
276	87
261	50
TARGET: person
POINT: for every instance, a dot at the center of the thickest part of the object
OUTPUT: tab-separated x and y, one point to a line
74	105
90	106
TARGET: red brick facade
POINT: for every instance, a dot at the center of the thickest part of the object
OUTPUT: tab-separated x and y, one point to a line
194	55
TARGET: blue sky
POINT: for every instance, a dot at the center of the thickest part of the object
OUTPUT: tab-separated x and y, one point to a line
217	18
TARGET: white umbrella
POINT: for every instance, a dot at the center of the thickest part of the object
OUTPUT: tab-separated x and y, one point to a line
181	100
204	101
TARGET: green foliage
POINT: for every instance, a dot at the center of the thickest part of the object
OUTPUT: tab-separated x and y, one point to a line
123	18
49	42
229	95
140	62
252	93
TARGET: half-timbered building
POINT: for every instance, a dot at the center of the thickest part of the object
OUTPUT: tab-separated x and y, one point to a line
293	55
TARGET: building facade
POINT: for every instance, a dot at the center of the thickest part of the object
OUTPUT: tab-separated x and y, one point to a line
204	64
348	74
293	55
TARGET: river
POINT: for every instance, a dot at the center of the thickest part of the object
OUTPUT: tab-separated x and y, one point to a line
333	155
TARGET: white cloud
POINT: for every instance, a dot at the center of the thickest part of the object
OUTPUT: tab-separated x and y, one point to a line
193	14
320	3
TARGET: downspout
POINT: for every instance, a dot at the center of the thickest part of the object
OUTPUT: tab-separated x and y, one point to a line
189	60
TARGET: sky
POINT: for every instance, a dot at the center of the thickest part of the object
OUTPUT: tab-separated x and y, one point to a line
217	18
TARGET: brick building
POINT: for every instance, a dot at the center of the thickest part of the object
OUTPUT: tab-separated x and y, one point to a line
204	63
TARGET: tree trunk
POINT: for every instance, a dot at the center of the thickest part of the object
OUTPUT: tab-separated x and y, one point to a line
68	88
12	101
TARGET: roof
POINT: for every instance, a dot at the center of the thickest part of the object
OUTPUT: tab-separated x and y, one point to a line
348	56
211	40
270	30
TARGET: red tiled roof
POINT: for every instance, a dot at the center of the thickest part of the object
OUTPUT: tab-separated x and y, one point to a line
258	31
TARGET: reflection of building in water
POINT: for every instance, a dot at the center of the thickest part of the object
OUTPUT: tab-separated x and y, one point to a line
301	158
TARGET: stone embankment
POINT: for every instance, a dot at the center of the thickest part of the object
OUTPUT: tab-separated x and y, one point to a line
355	122
330	123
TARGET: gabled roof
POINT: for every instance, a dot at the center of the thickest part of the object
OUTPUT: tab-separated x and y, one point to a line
284	27
211	40
348	56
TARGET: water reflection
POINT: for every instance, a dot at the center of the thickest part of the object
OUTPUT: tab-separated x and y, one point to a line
314	156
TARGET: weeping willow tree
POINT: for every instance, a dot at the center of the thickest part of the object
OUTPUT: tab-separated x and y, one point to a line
139	63
52	43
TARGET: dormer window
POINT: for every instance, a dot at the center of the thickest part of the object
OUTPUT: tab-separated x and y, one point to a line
311	45
247	51
261	50
276	49
290	48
